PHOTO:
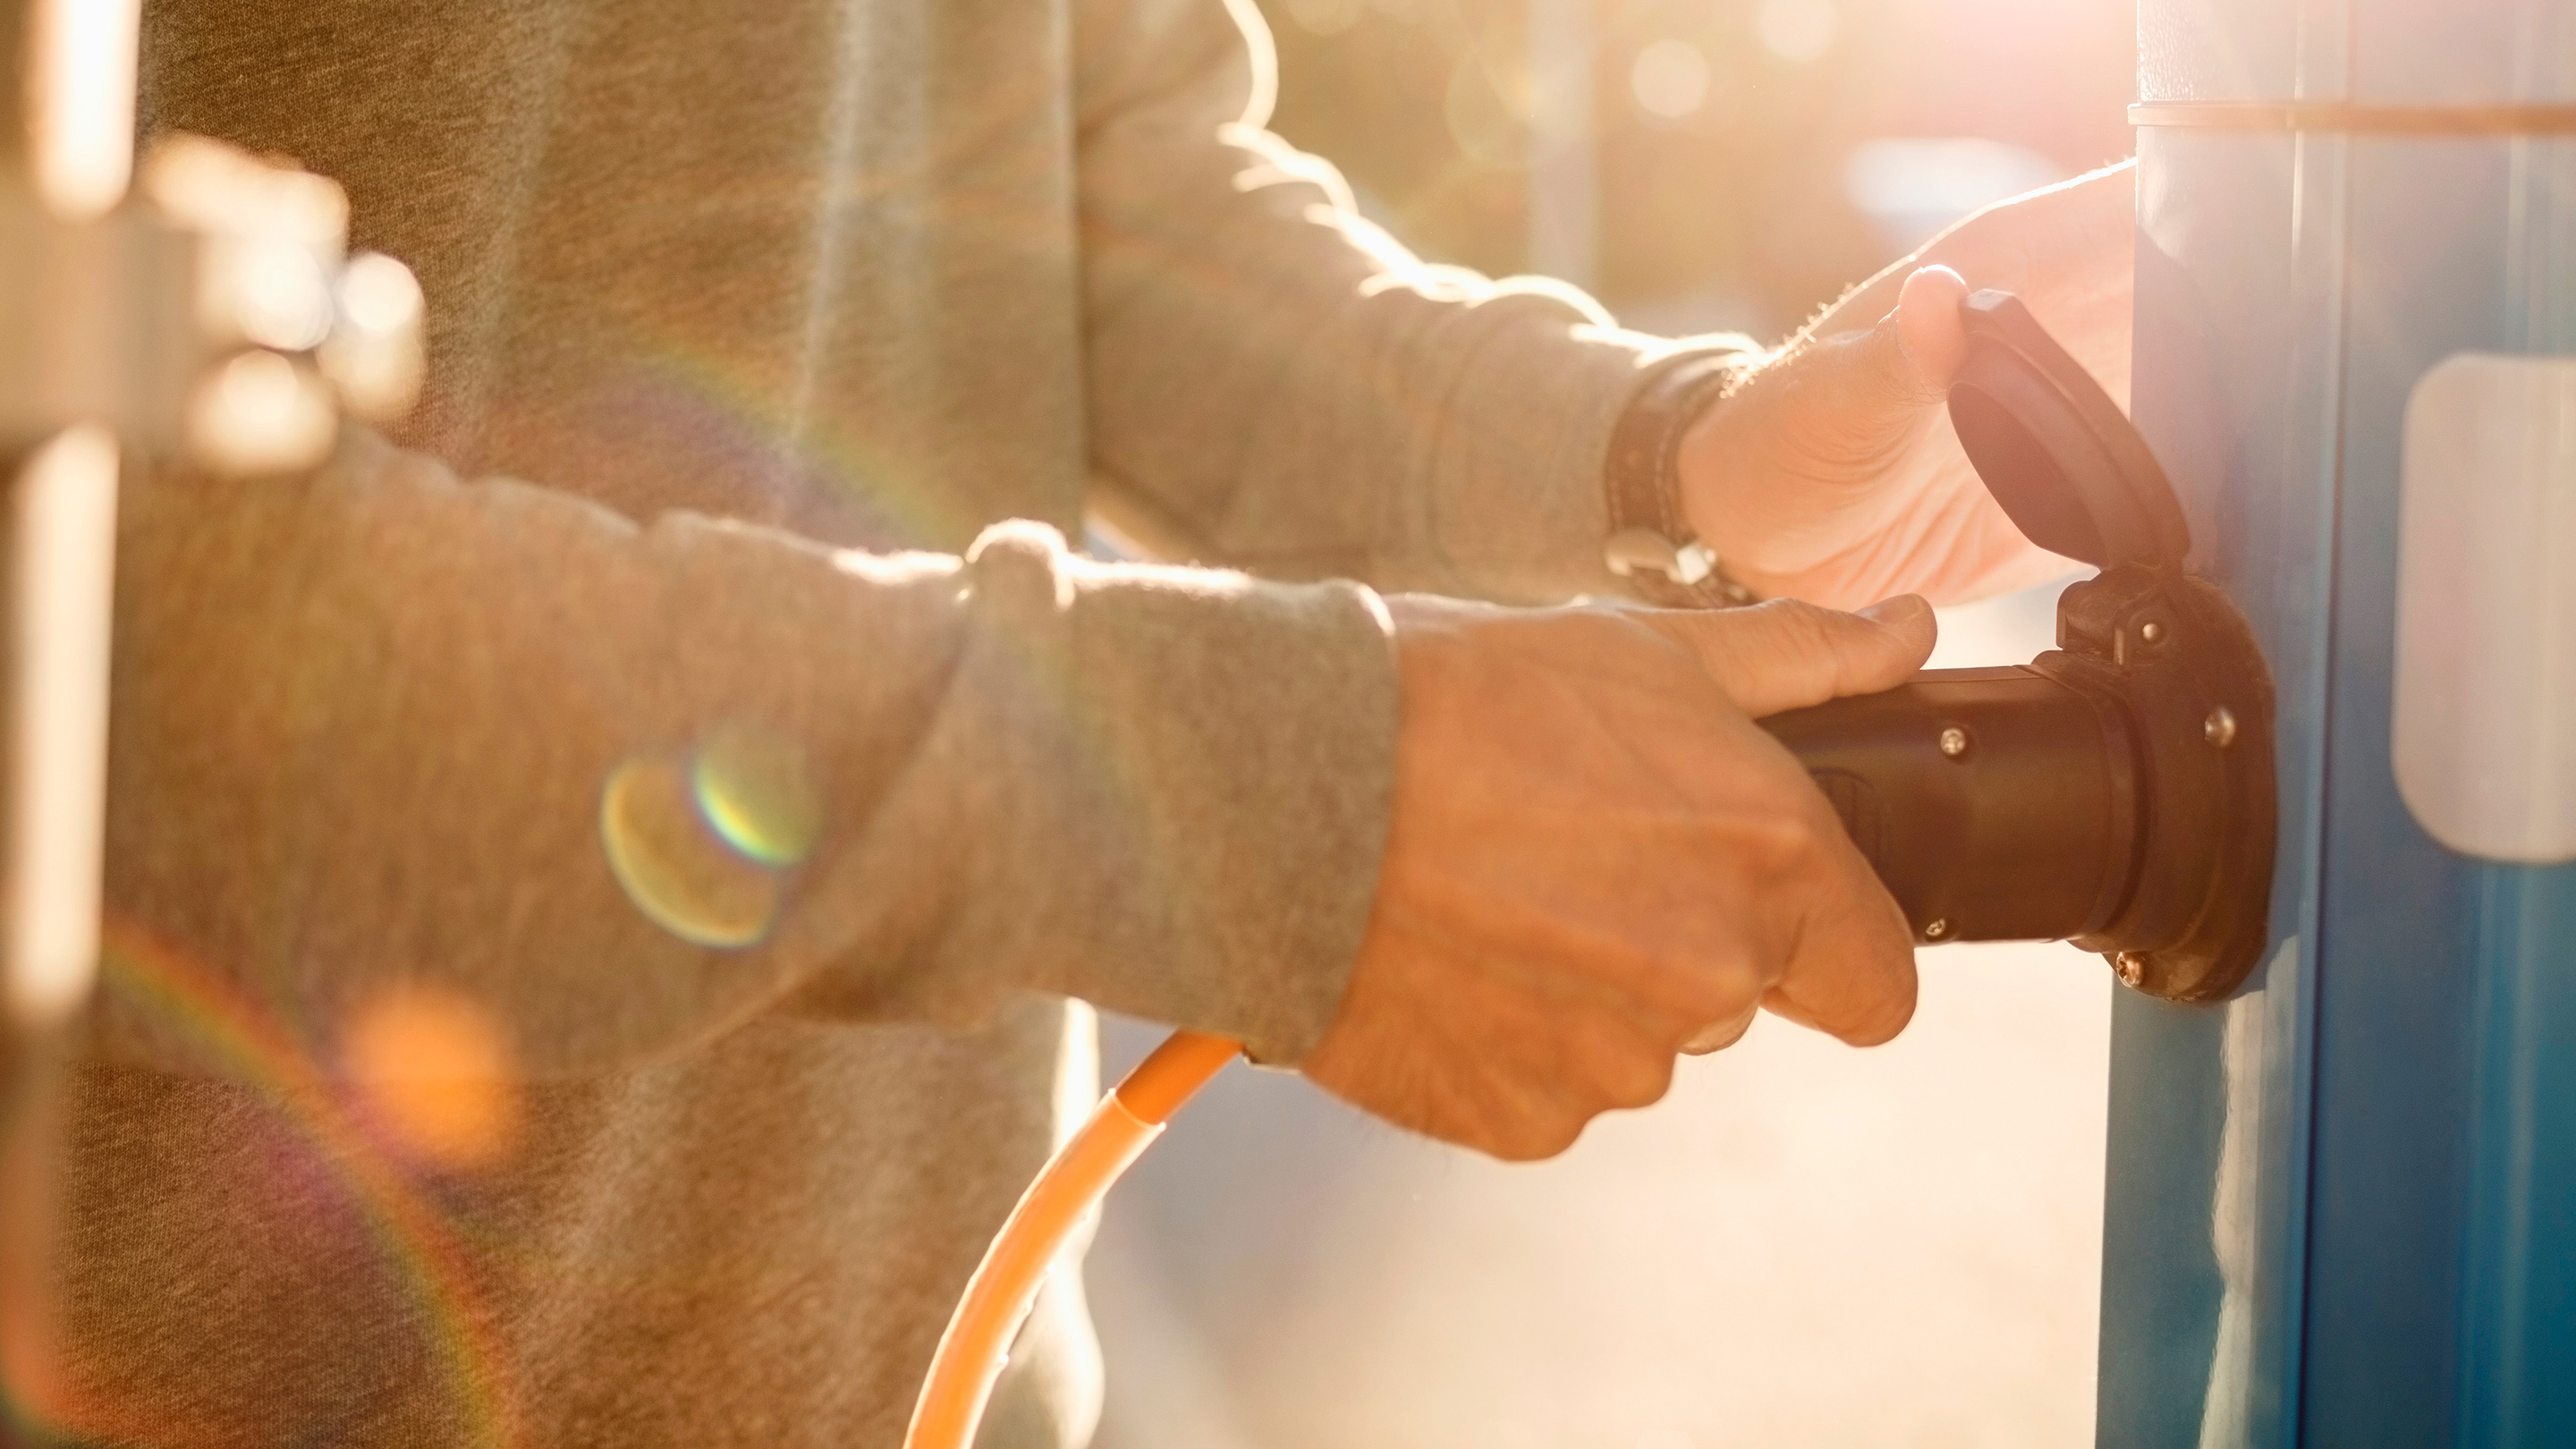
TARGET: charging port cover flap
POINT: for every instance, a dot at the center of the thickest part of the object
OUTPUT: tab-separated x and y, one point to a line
2054	450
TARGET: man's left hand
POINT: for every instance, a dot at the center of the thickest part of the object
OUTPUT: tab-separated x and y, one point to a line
1833	474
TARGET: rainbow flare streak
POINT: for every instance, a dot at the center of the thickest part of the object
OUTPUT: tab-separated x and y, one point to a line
410	1230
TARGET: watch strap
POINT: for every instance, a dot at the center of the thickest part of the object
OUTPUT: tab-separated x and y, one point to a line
1651	544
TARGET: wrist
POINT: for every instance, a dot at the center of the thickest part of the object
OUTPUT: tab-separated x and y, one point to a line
1652	541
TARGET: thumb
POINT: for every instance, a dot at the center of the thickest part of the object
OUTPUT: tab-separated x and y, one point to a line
1886	375
1931	338
1786	654
1856	398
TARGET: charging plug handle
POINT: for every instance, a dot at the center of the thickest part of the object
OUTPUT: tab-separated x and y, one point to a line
2115	792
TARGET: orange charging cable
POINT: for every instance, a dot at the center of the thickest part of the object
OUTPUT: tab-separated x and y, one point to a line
1067	1191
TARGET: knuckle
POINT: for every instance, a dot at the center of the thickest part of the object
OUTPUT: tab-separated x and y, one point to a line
1717	1003
1643	1082
1883	1010
1803	628
1878	1032
1894	1014
1539	1139
1719	1035
1789	839
1618	1065
1722	988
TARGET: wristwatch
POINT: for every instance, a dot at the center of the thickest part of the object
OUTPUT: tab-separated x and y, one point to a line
1651	544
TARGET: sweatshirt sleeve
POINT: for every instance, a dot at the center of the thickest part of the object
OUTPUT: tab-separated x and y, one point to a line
1277	384
379	731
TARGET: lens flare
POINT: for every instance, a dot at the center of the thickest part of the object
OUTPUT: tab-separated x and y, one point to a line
756	792
434	1069
678	870
421	1244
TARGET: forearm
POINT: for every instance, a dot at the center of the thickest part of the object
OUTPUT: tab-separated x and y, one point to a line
1277	383
623	787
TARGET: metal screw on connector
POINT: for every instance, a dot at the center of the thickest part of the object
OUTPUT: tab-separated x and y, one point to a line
2220	728
1954	741
1935	930
2153	631
2131	966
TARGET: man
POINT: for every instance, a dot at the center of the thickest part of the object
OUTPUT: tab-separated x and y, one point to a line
586	973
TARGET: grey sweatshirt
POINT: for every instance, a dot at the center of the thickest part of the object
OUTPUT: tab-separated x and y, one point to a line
589	956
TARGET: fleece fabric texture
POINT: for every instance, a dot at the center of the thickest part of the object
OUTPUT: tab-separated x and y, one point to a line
592	958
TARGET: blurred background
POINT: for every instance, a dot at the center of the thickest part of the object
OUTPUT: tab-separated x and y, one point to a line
1803	1245
1700	164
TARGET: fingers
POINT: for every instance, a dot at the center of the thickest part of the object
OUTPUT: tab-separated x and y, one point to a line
1861	991
1849	968
1851	971
1594	860
1787	655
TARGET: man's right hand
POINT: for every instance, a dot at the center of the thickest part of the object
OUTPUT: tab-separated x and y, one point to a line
1596	860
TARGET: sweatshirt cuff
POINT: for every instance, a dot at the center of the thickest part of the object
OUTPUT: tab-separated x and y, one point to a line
1164	791
1518	471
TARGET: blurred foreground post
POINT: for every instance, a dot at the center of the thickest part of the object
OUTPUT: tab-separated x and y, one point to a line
214	317
66	154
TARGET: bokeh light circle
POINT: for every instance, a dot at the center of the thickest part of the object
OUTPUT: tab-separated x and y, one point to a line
1669	78
1797	31
436	1072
